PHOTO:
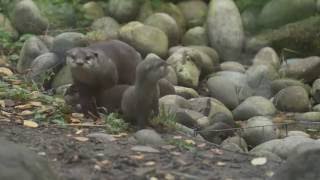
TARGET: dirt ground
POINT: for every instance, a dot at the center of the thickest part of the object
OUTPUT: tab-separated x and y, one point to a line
75	158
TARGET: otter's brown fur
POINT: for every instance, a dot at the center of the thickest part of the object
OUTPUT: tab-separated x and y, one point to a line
166	87
99	67
140	100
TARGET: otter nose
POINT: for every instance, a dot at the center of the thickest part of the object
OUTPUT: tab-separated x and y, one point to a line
79	62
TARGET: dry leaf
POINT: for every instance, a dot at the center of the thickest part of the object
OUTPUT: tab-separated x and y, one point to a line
35	103
31	124
219	163
189	141
150	163
75	120
26	113
177	137
97	167
175	153
79	132
23	106
77	115
120	135
169	177
202	145
259	161
6	114
2	104
137	157
153	178
81	139
5	71
217	151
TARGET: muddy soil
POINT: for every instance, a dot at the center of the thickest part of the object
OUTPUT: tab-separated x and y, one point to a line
89	159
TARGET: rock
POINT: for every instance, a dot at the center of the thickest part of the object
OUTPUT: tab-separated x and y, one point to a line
316	108
257	135
190	118
149	137
7	27
254	106
172	76
105	28
308	117
92	10
267	56
145	149
209	51
143	38
209	107
194	12
298	133
299	167
226	38
27	18
282	147
268	155
173	102
279	84
222	117
239	141
195	36
280	12
63	77
41	66
186	63
223	90
302	69
185	92
101	137
123	10
307	146
249	19
232	66
315	91
232	147
68	40
167	24
203	123
32	48
292	99
259	78
18	162
217	132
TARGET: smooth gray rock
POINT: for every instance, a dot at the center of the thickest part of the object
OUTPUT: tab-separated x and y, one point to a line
316	108
18	162
172	76
209	107
223	90
222	117
123	10
267	56
195	36
280	12
185	92
226	38
249	19
255	133
259	78
67	40
32	48
315	91
232	66
254	106
232	147
238	141
63	77
27	18
194	11
305	69
269	155
279	84
105	28
143	37
217	132
307	146
167	24
92	10
172	103
308	117
101	137
149	137
298	133
292	99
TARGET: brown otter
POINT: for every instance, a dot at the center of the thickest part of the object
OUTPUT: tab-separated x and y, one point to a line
166	87
99	67
140	100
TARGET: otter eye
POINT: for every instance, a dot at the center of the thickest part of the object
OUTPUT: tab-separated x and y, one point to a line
88	58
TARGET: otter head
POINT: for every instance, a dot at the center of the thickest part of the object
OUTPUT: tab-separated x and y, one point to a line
82	58
152	68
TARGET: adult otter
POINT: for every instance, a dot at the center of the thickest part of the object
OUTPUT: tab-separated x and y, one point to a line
99	67
140	100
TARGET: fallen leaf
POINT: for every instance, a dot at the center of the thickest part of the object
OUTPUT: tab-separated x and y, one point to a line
81	139
219	163
259	161
137	157
23	106
31	124
269	173
6	114
97	167
26	113
150	163
177	137
77	115
75	120
35	103
169	177
175	153
153	178
189	141
2	104
5	71
120	135
217	151
202	145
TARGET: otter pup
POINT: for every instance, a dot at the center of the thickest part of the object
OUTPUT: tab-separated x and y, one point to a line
99	67
140	100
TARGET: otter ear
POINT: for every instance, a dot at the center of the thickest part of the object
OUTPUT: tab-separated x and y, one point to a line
96	54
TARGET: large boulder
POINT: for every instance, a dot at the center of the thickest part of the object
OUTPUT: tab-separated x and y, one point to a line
226	38
104	28
195	36
123	10
280	12
143	37
67	40
167	24
92	10
267	56
194	12
27	18
279	84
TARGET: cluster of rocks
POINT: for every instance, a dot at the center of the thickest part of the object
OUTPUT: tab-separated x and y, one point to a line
223	66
